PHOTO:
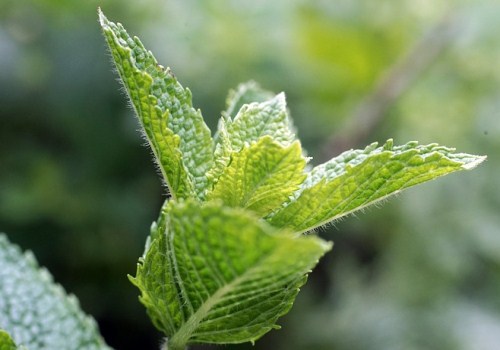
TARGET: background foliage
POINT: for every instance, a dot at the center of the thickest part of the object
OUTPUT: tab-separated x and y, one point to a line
78	189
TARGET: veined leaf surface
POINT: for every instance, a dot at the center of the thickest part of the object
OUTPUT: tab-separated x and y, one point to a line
258	119
176	132
261	176
358	178
219	275
246	93
252	122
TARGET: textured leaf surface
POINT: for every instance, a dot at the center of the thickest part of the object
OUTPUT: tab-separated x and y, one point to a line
252	122
177	133
246	93
256	120
36	312
358	178
6	342
218	275
261	176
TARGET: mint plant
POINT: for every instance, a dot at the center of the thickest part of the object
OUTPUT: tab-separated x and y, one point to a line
235	240
228	253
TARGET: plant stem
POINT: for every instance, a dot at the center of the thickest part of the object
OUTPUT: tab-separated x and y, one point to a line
168	346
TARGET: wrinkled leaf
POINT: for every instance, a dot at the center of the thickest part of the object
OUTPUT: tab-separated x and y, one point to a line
261	176
256	120
358	178
36	312
176	132
218	275
252	122
246	93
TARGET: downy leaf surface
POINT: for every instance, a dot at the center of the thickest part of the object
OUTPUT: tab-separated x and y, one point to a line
36	312
219	275
358	178
177	133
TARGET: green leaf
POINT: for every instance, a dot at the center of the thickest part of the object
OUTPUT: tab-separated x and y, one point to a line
261	176
176	132
358	178
256	120
6	342
36	312
246	93
253	121
219	275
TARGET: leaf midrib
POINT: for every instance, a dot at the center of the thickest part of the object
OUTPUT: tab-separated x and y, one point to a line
183	334
248	199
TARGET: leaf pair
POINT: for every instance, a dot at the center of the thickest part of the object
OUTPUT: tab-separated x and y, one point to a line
226	257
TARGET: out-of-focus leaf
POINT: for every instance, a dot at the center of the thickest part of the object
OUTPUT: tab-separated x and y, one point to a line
36	312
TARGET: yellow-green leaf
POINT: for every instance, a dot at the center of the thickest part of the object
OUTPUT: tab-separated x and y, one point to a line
176	131
261	177
358	178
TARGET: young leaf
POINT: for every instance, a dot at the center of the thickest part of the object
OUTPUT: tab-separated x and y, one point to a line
256	120
253	121
219	275
176	132
246	93
261	176
358	178
36	312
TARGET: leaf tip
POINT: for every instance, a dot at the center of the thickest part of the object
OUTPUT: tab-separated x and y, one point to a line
474	162
102	19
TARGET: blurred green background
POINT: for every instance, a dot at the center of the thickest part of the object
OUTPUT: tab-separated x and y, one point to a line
78	187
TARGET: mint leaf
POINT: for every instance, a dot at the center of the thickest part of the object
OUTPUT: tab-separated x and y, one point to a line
176	132
358	178
252	122
6	342
261	176
246	93
256	120
36	312
219	275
